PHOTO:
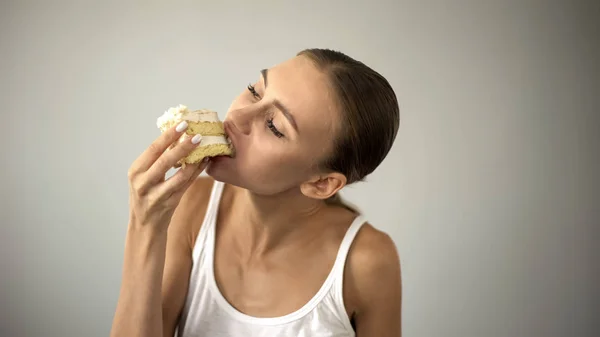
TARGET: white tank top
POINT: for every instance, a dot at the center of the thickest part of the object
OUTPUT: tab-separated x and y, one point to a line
208	313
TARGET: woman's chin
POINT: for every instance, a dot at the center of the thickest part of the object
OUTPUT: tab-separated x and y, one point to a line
218	161
218	167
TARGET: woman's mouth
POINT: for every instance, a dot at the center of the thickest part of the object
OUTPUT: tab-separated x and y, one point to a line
230	136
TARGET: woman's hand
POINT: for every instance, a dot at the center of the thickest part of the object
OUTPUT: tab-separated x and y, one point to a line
152	198
152	202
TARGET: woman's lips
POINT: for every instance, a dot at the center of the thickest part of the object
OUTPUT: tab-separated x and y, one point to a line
228	127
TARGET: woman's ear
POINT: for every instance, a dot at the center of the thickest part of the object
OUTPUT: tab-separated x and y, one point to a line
323	187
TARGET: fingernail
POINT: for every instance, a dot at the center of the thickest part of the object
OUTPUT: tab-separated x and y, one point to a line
196	139
182	126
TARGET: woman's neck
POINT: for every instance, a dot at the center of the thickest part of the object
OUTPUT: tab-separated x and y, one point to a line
267	221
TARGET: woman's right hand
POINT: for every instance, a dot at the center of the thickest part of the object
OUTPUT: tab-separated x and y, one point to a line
152	198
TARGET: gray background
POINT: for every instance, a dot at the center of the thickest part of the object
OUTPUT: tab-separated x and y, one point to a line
491	191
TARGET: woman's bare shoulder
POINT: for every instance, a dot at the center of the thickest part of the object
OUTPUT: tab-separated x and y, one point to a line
189	215
373	245
199	191
372	275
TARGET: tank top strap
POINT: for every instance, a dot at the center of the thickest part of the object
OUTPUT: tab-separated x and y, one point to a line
337	287
209	218
351	233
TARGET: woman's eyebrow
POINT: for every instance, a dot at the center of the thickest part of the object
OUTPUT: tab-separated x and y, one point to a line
286	112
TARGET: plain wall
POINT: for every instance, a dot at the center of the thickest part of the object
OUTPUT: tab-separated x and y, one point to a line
491	190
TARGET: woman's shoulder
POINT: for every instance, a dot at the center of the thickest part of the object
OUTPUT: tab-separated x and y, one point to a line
372	273
189	214
197	196
370	247
373	247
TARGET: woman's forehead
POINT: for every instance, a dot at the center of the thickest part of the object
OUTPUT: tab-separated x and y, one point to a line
305	90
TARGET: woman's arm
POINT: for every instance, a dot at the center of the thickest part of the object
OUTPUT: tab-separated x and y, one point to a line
181	238
373	283
153	201
175	281
183	232
139	309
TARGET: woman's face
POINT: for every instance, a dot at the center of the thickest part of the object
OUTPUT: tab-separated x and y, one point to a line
281	127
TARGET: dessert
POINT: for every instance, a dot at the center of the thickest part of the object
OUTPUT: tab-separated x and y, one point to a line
203	122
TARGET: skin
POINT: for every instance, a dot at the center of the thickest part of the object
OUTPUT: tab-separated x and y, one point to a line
276	237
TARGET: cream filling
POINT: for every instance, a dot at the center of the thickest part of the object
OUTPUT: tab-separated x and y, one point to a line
209	140
213	140
181	113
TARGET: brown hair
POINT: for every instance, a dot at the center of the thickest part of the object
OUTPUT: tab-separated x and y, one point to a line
370	116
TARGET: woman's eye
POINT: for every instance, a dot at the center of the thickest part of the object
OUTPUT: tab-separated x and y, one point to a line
273	128
253	91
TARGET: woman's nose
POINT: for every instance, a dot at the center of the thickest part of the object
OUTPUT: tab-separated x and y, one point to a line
242	119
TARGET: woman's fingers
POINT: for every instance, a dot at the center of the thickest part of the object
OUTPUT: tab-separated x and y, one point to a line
170	158
157	148
182	179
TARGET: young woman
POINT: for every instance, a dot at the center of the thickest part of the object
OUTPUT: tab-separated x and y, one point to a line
265	247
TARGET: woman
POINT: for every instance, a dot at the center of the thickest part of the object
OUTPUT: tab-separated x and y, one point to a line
265	247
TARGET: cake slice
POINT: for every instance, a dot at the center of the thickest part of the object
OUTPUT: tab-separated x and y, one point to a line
204	122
